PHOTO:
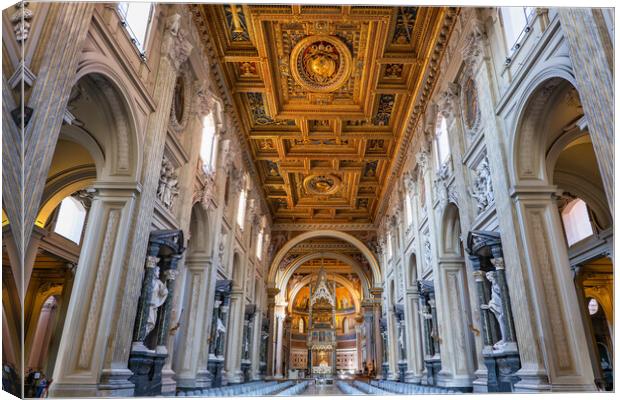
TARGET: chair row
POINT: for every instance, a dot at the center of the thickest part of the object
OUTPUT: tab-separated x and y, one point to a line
409	388
244	389
294	390
368	389
346	388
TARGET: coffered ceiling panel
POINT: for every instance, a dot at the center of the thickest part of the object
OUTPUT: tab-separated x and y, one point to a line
324	94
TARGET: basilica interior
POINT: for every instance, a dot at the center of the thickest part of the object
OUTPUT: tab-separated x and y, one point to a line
244	199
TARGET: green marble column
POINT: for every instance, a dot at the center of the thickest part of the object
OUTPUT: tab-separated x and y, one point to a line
170	275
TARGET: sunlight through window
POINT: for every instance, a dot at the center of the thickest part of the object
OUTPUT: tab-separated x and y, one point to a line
70	220
137	18
576	221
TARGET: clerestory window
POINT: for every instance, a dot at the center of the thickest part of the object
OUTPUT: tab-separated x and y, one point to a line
136	18
208	144
516	22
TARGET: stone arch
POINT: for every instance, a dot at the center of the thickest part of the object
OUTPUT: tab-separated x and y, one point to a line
528	160
302	283
199	232
374	264
109	91
588	192
291	268
451	232
237	271
412	270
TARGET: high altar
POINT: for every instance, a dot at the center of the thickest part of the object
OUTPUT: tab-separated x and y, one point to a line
322	329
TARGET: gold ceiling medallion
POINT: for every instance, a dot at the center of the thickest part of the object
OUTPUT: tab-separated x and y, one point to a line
321	63
322	184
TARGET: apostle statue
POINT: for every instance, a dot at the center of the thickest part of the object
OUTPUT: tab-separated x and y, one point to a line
158	297
495	306
221	329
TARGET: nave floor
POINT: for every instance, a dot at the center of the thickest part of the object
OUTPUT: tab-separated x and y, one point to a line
322	390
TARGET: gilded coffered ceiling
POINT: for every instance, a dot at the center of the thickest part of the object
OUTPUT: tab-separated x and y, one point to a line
324	95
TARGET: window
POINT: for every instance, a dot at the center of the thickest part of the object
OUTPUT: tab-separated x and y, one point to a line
576	221
259	245
136	18
515	21
243	197
408	209
442	145
208	145
70	220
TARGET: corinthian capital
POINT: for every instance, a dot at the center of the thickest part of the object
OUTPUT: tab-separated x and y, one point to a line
175	44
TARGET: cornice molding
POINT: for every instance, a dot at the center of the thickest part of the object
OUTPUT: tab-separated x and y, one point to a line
419	106
289	227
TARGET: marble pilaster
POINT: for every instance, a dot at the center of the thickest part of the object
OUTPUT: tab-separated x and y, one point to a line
89	318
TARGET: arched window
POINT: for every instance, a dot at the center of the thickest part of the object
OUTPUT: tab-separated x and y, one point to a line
515	20
243	198
345	325
301	325
408	208
442	145
208	144
136	17
576	220
70	222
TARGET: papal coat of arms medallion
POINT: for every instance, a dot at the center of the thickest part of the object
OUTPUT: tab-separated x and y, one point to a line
321	63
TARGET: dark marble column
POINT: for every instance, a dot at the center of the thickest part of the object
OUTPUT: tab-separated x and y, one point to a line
434	333
271	345
145	295
163	327
481	291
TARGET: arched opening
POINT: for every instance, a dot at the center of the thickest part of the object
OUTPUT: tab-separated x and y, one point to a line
95	153
361	247
58	237
586	220
603	338
318	311
412	280
237	272
553	153
454	303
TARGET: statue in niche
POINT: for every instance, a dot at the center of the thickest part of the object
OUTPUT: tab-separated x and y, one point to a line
495	306
401	340
425	312
158	297
168	188
482	191
171	192
220	330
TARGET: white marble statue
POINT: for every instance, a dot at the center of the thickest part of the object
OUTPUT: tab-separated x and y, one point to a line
495	306
158	297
